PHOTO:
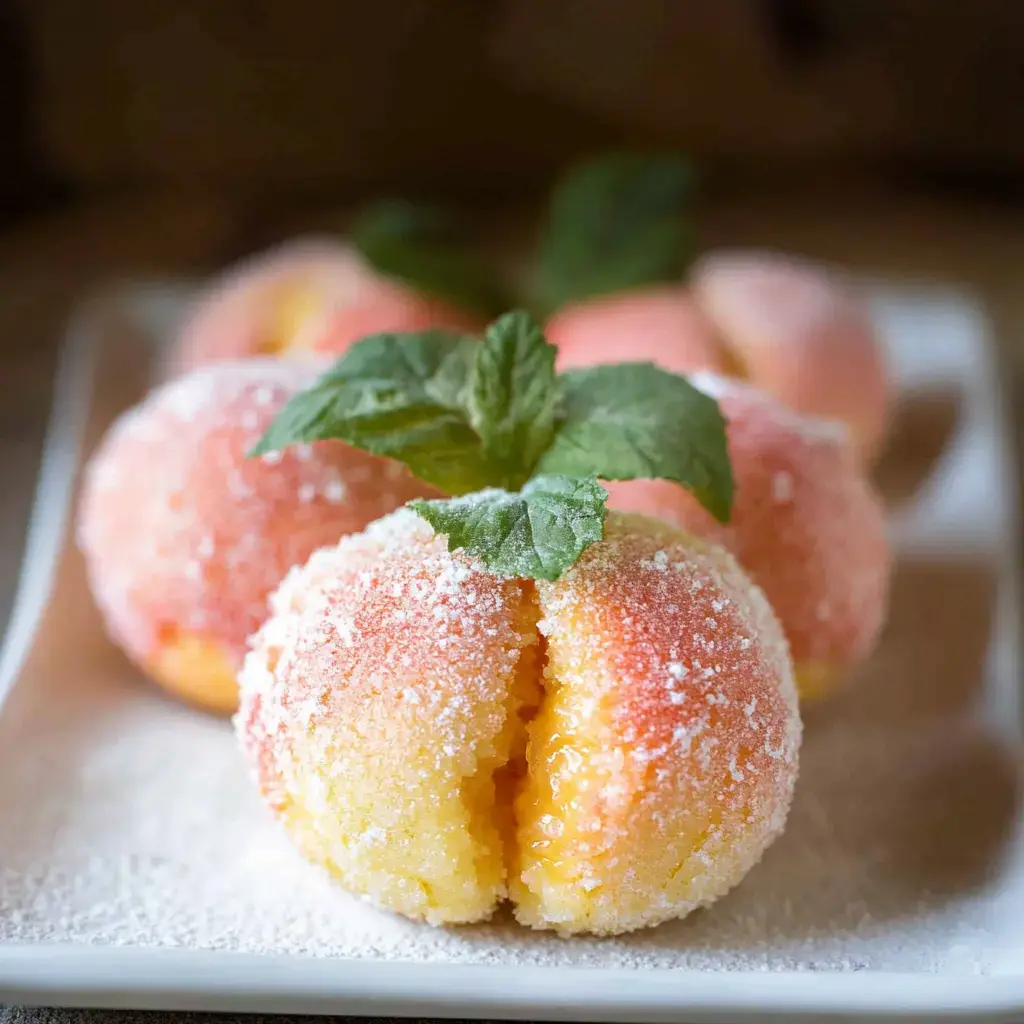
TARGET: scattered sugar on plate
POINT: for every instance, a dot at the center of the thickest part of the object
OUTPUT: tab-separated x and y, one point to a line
128	820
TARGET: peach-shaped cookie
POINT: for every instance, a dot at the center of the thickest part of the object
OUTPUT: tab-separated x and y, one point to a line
377	704
806	525
304	295
796	330
662	760
639	715
661	325
184	536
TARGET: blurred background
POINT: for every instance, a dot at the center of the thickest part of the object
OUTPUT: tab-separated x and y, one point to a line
170	137
270	101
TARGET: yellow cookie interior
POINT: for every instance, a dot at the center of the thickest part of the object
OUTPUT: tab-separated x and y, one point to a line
197	669
293	309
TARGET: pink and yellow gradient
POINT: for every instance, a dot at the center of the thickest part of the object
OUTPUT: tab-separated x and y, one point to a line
607	751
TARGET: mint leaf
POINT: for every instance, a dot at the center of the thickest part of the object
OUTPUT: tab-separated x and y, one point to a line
419	246
461	414
513	397
412	357
634	420
536	533
468	416
615	223
397	395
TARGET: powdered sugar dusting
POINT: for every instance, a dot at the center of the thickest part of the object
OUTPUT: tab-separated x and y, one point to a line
128	820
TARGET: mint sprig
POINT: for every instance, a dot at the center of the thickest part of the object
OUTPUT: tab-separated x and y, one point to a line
615	223
397	395
493	417
421	247
513	396
536	533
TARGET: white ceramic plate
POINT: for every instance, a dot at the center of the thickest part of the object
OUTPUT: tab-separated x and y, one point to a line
925	925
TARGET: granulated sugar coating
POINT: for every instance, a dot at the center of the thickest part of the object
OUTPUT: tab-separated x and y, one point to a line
388	700
378	702
663	757
806	525
184	536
